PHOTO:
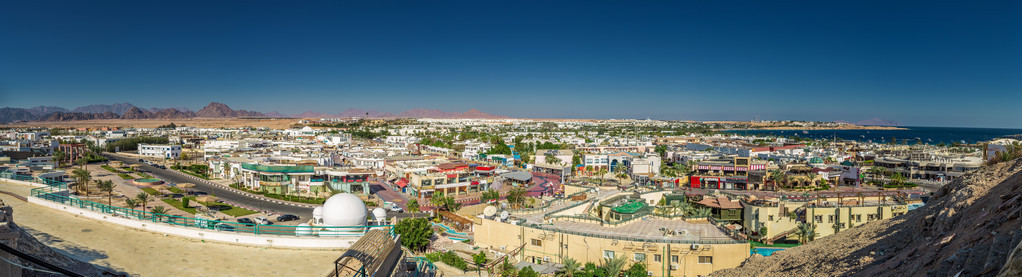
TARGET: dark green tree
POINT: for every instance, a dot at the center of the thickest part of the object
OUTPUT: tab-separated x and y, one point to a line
415	233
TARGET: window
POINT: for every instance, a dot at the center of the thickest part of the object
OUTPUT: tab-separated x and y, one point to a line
818	218
858	218
638	257
830	219
706	259
869	217
770	218
658	258
608	254
536	242
674	258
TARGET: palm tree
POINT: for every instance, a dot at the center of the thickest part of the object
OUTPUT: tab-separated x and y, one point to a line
703	212
615	265
130	203
59	156
897	178
108	187
413	206
82	178
552	160
159	211
805	232
570	266
143	198
82	163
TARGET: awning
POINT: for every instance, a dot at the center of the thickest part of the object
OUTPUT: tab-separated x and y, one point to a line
402	183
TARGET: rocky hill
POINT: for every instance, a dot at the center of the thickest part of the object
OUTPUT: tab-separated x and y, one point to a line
80	116
220	110
117	108
969	228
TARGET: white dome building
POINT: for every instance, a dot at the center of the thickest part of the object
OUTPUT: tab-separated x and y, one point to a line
344	209
380	215
317	216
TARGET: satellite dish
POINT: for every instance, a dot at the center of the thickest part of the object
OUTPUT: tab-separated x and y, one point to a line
490	211
504	215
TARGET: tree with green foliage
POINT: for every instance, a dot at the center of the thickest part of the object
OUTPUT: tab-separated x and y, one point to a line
413	206
108	187
615	265
516	197
59	157
806	232
130	203
143	198
636	270
480	260
415	233
82	178
570	267
552	160
185	202
490	194
528	272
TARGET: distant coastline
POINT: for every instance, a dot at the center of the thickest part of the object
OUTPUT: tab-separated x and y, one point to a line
851	127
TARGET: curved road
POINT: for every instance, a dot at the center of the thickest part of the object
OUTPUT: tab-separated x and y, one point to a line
226	195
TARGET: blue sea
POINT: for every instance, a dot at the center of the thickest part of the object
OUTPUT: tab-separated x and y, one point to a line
929	135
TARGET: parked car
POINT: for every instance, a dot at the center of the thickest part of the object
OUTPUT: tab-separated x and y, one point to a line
224	227
287	217
397	209
263	221
246	221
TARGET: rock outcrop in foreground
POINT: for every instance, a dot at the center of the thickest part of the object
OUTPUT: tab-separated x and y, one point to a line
15	237
969	227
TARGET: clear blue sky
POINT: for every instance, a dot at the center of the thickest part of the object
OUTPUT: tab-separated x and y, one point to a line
934	63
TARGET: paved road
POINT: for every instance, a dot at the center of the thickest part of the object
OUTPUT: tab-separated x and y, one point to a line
223	194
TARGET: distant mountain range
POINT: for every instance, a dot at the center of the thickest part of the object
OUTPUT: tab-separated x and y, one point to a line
213	110
873	122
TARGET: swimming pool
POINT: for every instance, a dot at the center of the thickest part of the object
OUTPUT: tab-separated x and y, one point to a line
765	251
449	230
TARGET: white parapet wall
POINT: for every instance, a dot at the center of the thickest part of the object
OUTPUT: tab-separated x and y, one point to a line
206	234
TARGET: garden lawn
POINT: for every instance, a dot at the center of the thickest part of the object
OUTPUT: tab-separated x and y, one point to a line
111	169
151	191
177	204
126	176
234	210
176	190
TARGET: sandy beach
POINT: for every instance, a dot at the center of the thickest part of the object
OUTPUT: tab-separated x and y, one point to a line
142	253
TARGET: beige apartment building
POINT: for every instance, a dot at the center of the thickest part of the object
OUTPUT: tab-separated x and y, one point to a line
692	254
828	215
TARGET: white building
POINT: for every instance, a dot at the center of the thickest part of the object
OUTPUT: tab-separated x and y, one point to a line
157	150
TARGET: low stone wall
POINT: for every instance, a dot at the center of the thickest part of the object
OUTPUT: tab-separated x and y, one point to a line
206	234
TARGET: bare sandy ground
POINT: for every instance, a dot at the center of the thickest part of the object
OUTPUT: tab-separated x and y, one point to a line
142	253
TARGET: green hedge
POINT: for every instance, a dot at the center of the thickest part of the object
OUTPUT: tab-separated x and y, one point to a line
905	185
111	169
126	176
232	210
449	258
176	190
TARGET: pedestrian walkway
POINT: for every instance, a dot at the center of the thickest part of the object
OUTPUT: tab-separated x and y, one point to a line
150	254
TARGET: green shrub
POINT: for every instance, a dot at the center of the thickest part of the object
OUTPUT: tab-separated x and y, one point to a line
185	201
126	176
151	191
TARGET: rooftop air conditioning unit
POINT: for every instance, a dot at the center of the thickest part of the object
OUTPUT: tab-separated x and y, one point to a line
674	266
649	273
696	246
546	259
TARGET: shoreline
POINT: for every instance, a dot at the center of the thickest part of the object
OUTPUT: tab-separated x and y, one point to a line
815	128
